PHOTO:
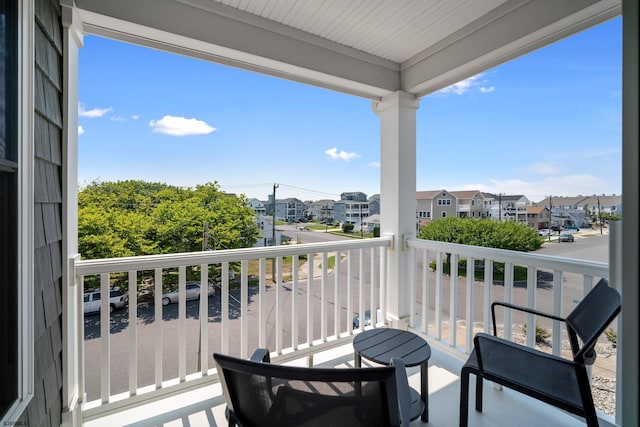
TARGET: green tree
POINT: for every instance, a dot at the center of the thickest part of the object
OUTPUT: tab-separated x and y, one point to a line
128	218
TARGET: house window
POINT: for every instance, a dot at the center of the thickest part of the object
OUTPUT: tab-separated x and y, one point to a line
444	214
9	306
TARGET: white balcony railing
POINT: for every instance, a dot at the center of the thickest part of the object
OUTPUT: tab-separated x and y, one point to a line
155	351
128	356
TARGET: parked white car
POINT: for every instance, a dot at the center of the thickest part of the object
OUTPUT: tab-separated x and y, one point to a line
117	299
192	291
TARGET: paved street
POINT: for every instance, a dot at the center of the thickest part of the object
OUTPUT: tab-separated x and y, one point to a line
593	247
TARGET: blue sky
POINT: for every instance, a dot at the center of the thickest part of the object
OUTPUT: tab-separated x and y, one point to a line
545	124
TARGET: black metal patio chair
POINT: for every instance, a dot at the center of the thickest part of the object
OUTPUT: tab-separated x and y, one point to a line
259	393
555	380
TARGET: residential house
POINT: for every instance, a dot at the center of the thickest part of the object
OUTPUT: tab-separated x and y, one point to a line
258	206
508	207
577	210
374	204
371	222
471	204
290	209
538	217
394	65
351	208
321	210
267	232
431	205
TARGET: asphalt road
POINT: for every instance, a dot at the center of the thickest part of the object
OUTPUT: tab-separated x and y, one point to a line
587	246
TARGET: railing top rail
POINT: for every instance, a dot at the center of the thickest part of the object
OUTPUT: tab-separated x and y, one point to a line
148	262
594	268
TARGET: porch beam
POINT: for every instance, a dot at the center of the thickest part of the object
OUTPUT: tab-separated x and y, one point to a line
397	112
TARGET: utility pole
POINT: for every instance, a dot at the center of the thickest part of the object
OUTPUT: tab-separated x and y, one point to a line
599	215
499	207
550	216
273	234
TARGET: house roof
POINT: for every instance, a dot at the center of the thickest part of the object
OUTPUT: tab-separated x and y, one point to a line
465	194
367	48
536	210
428	195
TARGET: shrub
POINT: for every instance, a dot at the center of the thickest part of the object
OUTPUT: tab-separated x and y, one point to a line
612	336
347	228
541	333
376	231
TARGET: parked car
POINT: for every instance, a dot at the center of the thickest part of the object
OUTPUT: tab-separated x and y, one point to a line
545	232
566	237
367	318
117	299
192	292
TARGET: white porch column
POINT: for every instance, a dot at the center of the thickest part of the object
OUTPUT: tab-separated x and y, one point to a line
72	326
397	112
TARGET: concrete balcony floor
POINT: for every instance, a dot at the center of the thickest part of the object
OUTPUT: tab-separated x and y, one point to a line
205	406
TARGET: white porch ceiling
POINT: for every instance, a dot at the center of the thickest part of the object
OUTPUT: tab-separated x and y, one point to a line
364	47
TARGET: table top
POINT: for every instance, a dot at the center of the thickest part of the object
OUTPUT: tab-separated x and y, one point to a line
382	344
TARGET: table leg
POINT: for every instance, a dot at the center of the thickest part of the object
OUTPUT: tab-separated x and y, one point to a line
424	390
357	359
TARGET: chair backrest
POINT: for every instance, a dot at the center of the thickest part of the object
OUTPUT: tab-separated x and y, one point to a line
591	317
262	394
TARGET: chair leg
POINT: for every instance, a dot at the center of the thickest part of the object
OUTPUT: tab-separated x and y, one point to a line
479	380
464	398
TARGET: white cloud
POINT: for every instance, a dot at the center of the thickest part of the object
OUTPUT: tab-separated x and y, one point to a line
135	117
180	126
80	130
468	84
342	155
92	114
374	165
118	118
542	168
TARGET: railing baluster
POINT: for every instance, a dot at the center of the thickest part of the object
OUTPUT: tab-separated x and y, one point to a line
244	309
350	291
294	300
383	282
412	287
508	297
470	298
439	295
310	299
262	315
531	301
182	323
157	299
558	293
133	333
372	289
425	290
453	301
224	309
278	285
203	316
361	309
323	299
488	295
336	295
105	339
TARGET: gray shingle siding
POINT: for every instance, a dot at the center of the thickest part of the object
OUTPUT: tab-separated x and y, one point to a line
45	409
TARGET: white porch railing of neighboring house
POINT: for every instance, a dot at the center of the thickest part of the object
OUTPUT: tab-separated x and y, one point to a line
307	311
447	309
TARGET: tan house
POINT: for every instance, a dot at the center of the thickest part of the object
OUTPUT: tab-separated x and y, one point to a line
538	217
471	204
435	204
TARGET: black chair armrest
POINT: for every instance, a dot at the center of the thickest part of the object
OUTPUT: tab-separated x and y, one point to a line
261	355
519	308
404	394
